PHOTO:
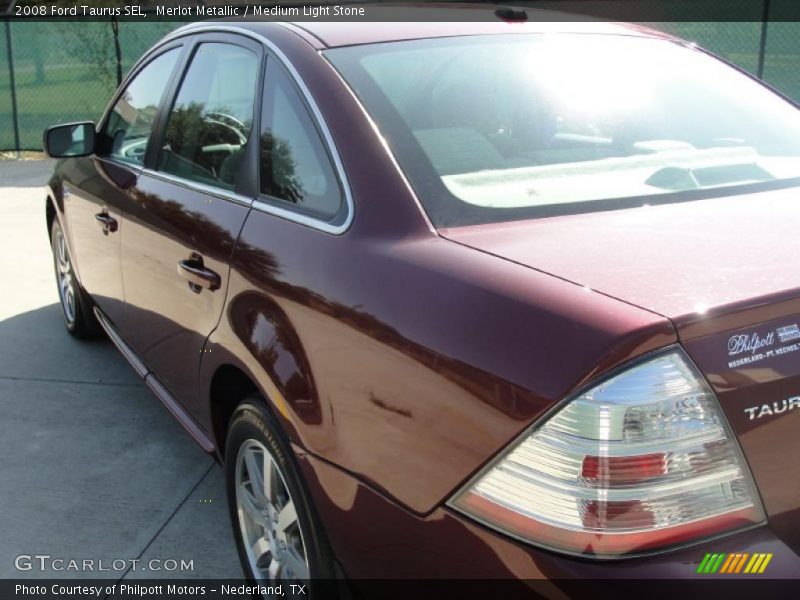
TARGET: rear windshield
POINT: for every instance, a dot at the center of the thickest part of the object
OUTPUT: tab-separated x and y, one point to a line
499	128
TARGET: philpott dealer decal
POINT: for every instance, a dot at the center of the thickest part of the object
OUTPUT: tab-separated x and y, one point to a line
753	347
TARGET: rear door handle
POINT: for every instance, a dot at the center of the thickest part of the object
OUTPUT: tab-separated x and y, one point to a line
108	223
198	276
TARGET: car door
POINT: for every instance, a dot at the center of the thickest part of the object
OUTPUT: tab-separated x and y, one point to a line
97	192
188	206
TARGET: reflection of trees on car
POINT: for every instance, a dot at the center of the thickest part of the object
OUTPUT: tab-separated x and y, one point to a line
128	129
278	170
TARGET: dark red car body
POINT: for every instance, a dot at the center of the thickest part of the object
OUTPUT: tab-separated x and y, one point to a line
400	359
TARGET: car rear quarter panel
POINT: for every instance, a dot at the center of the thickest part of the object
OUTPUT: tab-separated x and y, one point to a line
411	362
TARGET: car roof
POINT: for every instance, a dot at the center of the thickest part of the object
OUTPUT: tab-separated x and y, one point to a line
441	21
333	35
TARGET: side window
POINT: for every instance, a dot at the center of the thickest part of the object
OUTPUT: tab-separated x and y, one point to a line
294	164
210	122
130	122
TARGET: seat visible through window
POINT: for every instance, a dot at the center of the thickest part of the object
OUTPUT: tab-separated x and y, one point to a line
210	122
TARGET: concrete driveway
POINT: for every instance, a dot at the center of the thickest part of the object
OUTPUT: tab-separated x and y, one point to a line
92	466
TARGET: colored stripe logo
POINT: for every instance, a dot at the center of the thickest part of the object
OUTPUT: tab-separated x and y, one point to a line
753	564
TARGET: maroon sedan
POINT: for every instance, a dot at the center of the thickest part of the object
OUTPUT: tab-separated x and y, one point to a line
455	300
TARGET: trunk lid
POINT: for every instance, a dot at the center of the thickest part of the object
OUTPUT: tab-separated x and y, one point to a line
726	271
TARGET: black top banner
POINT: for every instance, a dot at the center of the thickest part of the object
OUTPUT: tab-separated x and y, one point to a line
383	10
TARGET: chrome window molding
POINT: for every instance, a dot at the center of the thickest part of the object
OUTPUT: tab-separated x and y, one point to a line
200	187
261	205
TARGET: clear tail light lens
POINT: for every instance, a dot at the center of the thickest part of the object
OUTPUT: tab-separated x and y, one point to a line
640	461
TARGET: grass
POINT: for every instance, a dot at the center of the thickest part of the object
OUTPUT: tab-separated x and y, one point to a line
88	98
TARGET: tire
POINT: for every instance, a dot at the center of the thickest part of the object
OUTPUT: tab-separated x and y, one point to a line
272	548
76	307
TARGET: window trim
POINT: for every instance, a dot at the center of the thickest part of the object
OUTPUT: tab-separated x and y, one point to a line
332	227
196	186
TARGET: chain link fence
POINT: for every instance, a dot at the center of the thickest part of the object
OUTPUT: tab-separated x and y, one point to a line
53	72
770	51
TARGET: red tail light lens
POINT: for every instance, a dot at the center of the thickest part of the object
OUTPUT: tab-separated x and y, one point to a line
618	470
642	460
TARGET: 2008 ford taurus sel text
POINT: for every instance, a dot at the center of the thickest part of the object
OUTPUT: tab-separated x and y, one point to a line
487	300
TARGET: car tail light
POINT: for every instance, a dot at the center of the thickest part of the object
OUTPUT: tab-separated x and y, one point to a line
640	461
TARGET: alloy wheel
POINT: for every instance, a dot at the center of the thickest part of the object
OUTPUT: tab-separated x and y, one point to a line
66	283
271	531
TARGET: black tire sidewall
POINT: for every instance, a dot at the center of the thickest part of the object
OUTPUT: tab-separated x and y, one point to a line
253	421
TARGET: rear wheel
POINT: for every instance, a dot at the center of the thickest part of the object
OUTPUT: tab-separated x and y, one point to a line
277	532
75	305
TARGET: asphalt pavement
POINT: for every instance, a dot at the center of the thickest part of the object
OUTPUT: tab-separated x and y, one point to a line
92	466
